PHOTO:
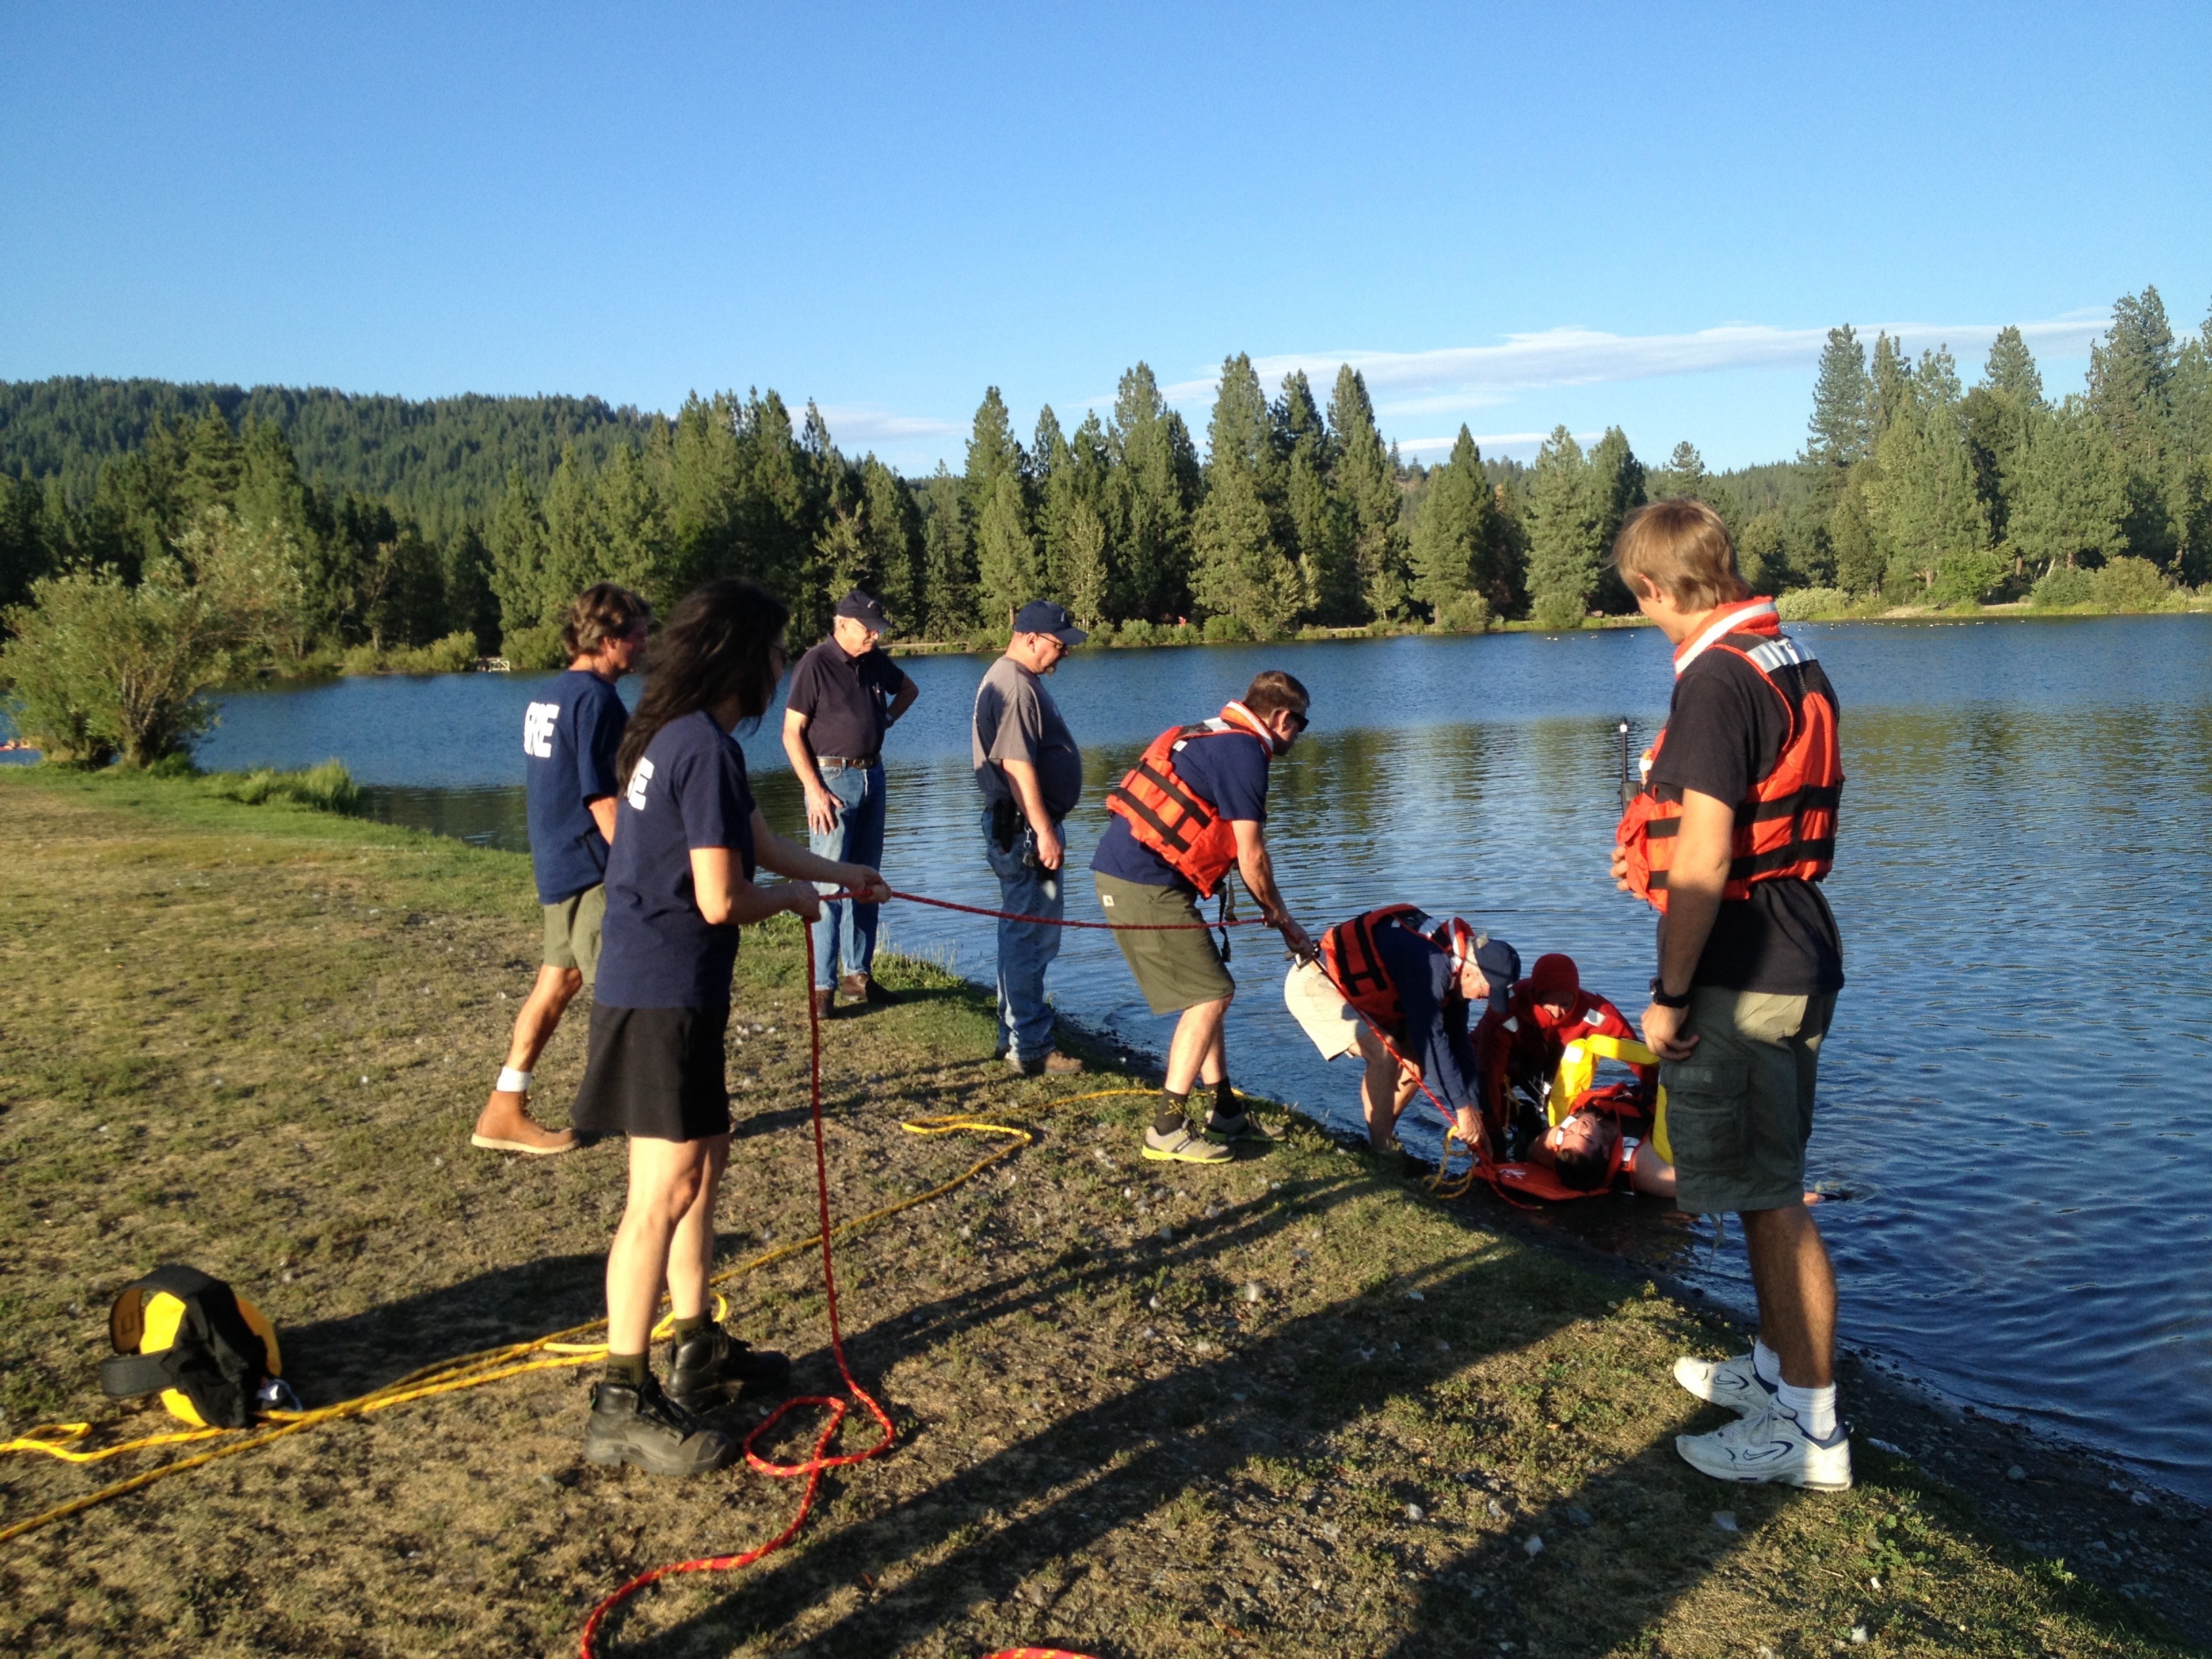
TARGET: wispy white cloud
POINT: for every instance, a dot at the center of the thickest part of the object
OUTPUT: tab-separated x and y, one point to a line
855	426
1490	443
1473	376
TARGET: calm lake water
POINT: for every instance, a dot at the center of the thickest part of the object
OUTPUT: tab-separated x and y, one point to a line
2016	1088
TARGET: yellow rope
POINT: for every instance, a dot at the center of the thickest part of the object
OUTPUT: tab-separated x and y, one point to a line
490	1364
1444	1186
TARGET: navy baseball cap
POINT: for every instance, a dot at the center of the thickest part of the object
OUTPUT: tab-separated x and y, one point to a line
861	608
1043	616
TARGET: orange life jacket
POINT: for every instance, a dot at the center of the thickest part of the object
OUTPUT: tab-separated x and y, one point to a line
1786	825
1165	814
1349	957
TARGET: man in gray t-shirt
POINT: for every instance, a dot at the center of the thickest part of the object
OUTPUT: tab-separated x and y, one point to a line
1031	773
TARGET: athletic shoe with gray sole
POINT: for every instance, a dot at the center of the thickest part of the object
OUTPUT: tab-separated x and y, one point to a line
1770	1446
1179	1145
712	1367
1730	1383
642	1426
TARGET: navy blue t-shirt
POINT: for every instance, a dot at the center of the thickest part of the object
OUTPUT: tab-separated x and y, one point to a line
1228	770
570	733
1434	1036
689	790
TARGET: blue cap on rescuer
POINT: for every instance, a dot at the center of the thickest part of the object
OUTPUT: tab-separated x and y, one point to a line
1043	616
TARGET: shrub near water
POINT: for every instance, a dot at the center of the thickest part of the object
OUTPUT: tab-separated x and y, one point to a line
2121	583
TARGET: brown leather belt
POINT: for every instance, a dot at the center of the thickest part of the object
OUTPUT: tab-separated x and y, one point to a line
842	764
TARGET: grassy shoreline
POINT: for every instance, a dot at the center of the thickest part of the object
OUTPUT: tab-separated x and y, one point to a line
1291	1406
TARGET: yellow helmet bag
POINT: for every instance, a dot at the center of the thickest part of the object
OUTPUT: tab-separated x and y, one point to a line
205	1349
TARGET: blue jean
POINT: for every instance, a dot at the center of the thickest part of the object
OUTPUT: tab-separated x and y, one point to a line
1026	948
847	931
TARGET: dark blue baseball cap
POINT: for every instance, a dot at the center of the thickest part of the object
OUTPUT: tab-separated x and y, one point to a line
866	609
1043	616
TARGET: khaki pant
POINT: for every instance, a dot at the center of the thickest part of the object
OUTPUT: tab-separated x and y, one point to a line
1739	1110
572	931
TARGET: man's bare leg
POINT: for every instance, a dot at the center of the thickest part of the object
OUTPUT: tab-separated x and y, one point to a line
506	1120
1796	1291
1197	1048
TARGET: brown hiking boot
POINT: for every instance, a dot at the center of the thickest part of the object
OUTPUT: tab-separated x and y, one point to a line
863	988
825	1004
506	1125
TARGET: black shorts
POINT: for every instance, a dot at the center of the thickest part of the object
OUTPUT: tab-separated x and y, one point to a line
654	1074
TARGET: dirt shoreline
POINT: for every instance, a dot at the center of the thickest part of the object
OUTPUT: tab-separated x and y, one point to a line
1286	1407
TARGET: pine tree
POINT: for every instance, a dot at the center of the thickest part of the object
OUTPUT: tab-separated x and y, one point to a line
1155	481
1240	566
1841	430
2130	394
1085	568
1006	556
215	463
1998	413
892	525
949	575
1921	505
1453	542
2069	496
1564	534
1367	485
1616	479
1891	383
517	559
1321	540
1053	476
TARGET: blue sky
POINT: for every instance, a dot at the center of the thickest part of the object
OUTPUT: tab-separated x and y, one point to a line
1511	216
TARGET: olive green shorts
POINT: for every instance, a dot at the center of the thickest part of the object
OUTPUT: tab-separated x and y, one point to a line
1739	1110
1175	970
572	931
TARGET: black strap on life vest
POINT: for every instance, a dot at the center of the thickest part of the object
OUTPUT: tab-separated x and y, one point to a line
1196	814
217	1360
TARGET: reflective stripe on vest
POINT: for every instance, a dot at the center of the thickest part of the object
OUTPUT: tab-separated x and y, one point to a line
1786	827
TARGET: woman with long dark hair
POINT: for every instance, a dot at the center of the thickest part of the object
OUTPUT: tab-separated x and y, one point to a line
679	885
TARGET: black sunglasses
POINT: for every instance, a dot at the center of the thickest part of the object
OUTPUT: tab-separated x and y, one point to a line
1302	719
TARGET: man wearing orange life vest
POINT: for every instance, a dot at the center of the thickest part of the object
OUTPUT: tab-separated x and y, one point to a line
1411	983
1729	841
1192	807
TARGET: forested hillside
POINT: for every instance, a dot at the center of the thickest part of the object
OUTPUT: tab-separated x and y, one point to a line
442	462
380	524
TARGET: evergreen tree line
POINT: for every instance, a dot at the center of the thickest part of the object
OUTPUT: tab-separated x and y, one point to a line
1911	488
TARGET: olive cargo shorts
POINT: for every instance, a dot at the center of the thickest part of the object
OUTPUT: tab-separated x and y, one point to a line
1175	969
1739	1110
572	931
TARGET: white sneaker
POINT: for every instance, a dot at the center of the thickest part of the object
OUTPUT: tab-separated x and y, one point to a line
1771	1446
1729	1383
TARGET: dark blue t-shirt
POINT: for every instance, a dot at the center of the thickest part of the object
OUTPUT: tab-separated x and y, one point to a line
689	790
1228	770
1434	1034
570	732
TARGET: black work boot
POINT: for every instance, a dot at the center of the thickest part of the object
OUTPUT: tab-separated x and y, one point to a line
638	1423
712	1367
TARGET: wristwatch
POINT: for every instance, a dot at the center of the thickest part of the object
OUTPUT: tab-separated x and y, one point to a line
1659	994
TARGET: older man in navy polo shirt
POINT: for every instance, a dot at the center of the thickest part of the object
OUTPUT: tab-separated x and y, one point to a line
845	694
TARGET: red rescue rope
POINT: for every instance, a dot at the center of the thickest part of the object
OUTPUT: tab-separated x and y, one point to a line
816	1463
1061	922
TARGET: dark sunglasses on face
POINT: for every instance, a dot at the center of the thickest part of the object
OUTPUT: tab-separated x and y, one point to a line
1299	719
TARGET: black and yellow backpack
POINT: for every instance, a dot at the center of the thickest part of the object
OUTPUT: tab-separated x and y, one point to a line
205	1348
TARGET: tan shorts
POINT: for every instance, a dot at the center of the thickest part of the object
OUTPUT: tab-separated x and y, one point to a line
1739	1110
572	931
1175	970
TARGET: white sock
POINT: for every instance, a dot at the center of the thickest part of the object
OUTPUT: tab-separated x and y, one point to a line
1767	1363
511	1081
1813	1408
